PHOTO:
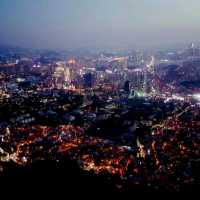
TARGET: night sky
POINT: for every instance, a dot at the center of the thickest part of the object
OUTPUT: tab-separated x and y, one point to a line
98	23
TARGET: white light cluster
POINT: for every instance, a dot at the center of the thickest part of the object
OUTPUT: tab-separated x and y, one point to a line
197	96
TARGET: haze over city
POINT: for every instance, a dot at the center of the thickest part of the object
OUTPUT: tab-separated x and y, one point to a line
98	23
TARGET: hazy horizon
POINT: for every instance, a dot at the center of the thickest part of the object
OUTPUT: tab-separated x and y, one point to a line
66	24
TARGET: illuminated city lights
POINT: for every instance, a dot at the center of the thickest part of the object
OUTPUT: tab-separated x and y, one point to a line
117	116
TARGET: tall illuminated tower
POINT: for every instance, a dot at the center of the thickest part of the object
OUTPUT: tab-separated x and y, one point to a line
149	76
61	76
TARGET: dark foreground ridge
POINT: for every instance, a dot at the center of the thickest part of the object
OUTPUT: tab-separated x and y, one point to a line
66	177
51	176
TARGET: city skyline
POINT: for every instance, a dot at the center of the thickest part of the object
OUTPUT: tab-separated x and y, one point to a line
75	24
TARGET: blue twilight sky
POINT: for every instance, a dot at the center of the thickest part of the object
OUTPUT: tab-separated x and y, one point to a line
98	23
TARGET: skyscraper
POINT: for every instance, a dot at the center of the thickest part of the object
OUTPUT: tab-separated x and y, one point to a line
89	80
149	76
127	86
61	75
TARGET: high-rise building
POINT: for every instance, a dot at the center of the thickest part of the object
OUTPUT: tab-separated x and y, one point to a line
193	51
132	62
127	86
89	80
149	77
61	76
137	79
